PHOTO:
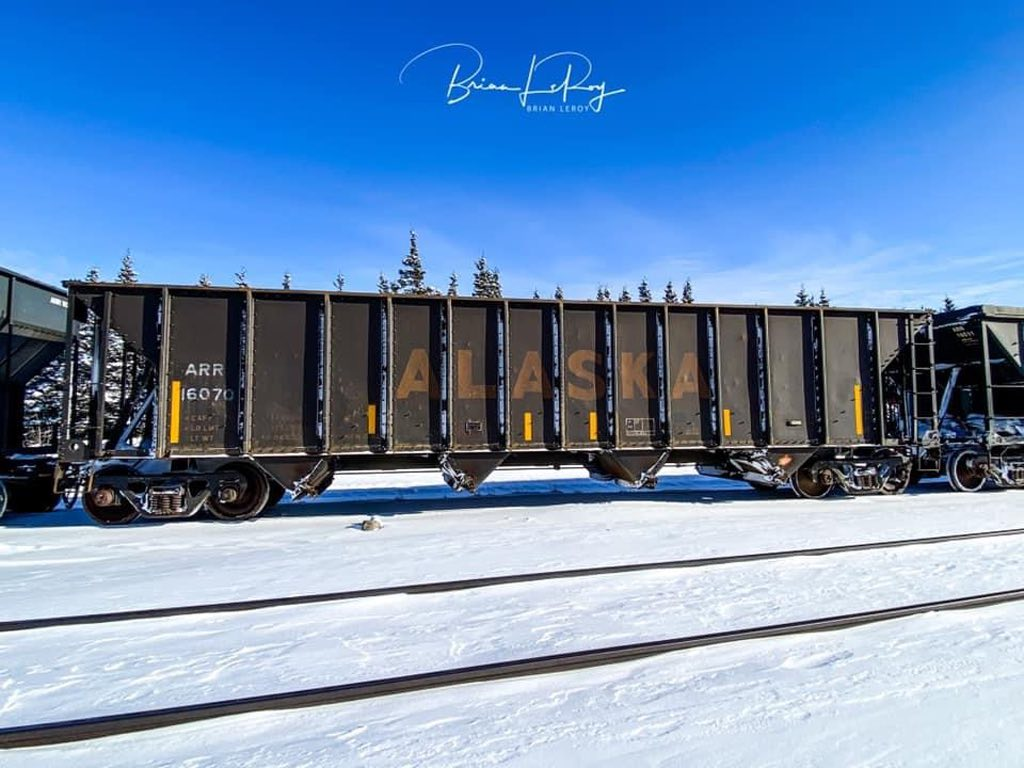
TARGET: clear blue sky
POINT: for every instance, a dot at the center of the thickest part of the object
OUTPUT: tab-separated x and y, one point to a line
875	149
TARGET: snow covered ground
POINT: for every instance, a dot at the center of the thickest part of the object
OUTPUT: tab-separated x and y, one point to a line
938	689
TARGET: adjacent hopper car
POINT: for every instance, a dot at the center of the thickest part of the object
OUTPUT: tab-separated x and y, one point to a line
32	334
186	399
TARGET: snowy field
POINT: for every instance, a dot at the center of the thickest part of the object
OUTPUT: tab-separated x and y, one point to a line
940	689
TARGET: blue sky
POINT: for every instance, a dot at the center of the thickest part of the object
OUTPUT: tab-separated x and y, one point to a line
873	149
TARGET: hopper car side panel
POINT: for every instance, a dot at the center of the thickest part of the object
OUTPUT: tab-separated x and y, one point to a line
286	365
357	375
420	375
478	376
640	407
740	355
691	377
586	349
533	376
204	373
792	367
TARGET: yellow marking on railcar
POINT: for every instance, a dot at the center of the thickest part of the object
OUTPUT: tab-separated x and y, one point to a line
175	412
593	425
528	427
371	419
727	422
858	410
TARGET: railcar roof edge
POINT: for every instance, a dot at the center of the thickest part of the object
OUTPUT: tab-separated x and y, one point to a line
130	287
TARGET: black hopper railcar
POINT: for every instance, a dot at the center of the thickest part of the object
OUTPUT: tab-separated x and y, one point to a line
223	398
980	378
33	318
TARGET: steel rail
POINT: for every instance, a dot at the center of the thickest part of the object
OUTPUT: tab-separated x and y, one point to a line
61	732
459	585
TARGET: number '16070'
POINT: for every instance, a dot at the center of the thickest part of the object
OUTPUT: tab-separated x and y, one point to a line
208	393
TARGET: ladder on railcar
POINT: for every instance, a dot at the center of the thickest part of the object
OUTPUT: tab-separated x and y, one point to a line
924	392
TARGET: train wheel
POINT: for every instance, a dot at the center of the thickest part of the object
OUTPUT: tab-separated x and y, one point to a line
105	504
963	474
250	501
898	481
806	486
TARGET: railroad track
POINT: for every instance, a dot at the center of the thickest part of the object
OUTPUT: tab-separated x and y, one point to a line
61	732
459	585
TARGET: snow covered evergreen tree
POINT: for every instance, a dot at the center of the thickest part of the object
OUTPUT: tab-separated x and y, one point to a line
453	284
948	305
127	273
494	282
241	280
286	281
670	294
559	293
536	293
92	276
643	291
339	282
204	281
411	275
481	277
687	292
44	396
803	298
624	295
383	286
823	299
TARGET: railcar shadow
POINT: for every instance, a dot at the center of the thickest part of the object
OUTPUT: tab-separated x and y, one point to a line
396	501
392	501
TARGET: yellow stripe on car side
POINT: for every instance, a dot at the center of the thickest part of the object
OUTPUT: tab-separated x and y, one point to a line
858	410
175	412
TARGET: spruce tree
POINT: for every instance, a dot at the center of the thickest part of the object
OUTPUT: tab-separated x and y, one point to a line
643	291
241	280
411	275
536	293
494	281
453	284
127	273
687	292
383	286
481	277
559	294
624	295
43	399
286	281
339	282
92	276
823	299
948	304
803	299
204	281
670	294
